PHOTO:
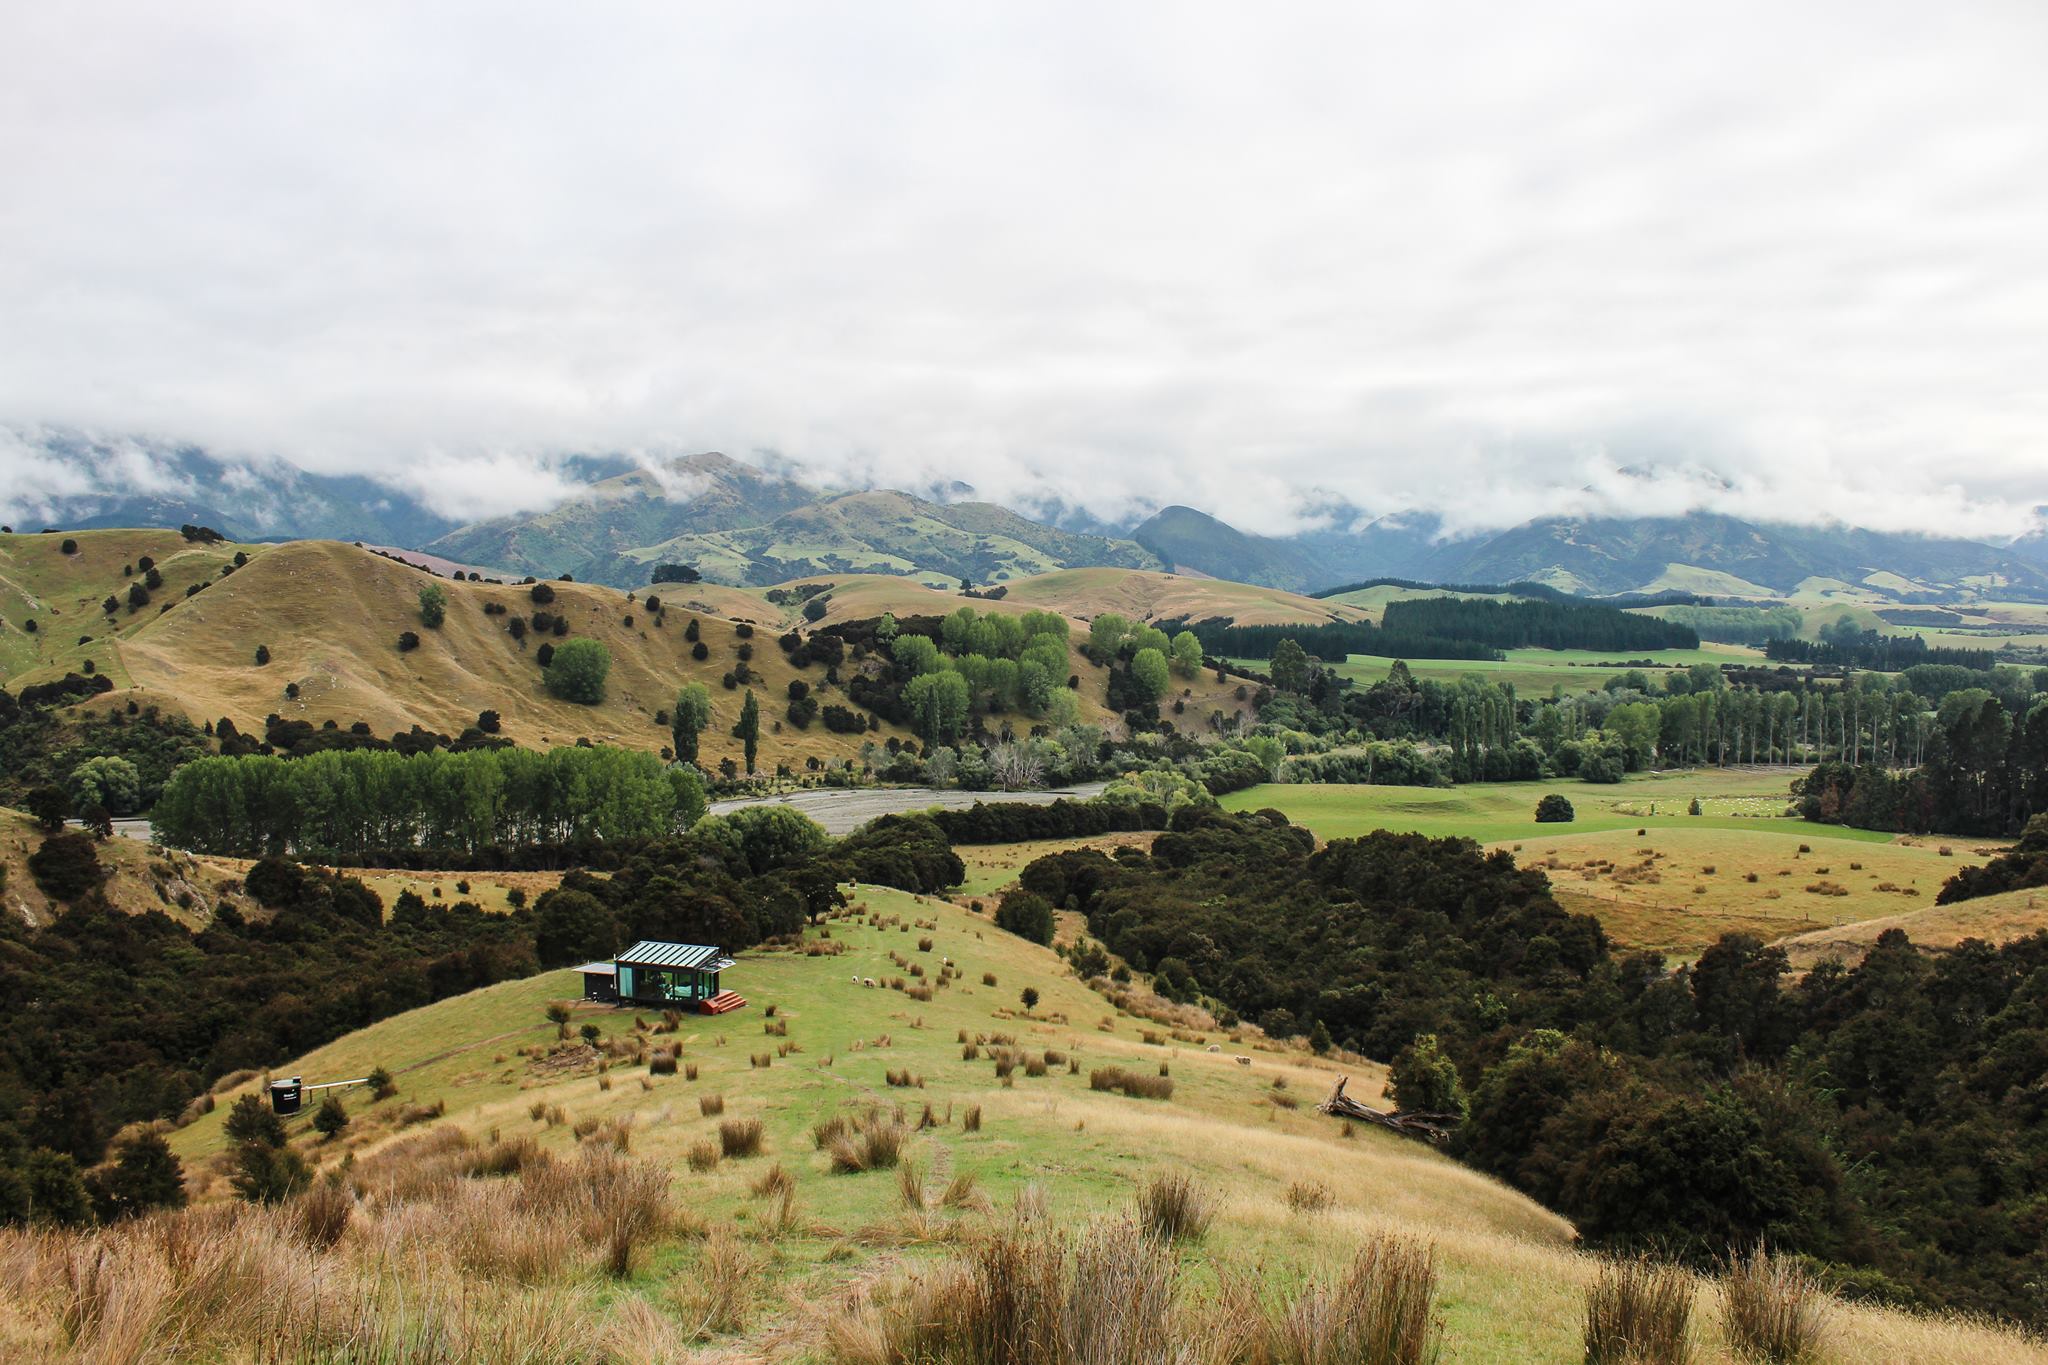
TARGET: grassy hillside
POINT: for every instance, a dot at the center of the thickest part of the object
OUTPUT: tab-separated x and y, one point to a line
487	1063
331	614
175	883
1994	919
890	533
1087	593
63	593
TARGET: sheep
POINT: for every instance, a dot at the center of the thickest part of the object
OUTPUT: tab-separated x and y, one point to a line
1244	1061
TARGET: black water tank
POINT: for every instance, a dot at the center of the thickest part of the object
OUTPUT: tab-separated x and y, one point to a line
285	1097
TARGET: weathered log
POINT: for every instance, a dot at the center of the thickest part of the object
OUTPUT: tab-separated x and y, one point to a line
1421	1125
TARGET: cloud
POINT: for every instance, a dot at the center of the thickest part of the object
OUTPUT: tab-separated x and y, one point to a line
1457	259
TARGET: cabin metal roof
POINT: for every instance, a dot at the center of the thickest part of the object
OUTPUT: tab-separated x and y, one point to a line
696	957
599	969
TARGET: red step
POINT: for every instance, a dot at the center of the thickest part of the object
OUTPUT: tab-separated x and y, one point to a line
723	1002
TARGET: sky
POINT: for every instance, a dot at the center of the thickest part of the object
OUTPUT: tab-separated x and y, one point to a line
1487	261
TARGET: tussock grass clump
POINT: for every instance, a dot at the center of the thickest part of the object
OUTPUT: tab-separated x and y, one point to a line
740	1137
1021	1300
1382	1311
1772	1308
1639	1312
710	1106
970	1121
704	1155
873	1142
1174	1208
904	1079
1309	1196
321	1215
1131	1083
689	1071
775	1182
719	1296
662	1064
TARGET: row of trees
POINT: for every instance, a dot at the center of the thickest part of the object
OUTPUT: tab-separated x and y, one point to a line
344	803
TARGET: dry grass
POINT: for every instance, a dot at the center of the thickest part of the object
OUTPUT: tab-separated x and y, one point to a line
740	1137
1135	1084
1173	1208
1639	1312
1382	1311
1772	1309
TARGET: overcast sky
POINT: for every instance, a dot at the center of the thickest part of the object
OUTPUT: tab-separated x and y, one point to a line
1793	258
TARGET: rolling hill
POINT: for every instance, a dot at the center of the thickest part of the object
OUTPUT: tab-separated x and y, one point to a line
488	1071
330	616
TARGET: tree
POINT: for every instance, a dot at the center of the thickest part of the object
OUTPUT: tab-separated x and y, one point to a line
69	547
748	731
56	1193
1187	654
262	655
138	597
489	721
107	781
251	1120
938	705
674	573
1291	668
50	806
689	719
433	606
145	1174
1554	809
1424	1079
1029	997
1149	675
542	594
111	605
916	655
269	1175
578	670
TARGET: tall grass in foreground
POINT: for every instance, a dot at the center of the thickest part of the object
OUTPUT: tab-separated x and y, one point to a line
1639	1312
1773	1309
1025	1296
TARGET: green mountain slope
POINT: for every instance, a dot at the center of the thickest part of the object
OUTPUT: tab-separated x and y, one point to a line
592	536
891	533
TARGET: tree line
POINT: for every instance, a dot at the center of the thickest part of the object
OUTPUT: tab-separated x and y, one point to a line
1534	625
344	803
1869	649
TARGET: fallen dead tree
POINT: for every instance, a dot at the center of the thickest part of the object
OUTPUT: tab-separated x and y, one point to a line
1417	1124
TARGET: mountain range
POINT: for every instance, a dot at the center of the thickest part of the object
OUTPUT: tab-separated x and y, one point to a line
739	523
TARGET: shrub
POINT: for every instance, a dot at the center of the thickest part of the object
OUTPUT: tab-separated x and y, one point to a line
407	641
1026	915
69	546
1772	1309
269	1175
1423	1079
1554	810
1174	1209
577	672
433	606
262	655
542	594
1639	1312
66	866
331	1120
700	651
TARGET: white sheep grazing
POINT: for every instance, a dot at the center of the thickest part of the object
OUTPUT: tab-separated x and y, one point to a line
867	981
1215	1047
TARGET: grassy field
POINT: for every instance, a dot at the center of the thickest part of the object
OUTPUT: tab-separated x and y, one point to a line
1634	857
1512	1279
1534	672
